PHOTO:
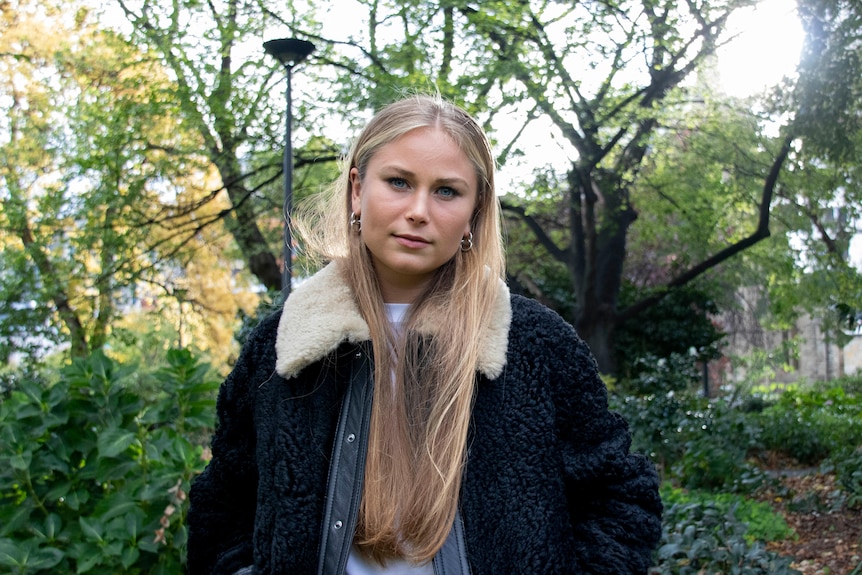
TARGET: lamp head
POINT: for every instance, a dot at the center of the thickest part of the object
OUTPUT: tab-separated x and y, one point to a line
289	51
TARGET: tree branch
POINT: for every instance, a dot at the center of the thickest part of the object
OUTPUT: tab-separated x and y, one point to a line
761	233
546	242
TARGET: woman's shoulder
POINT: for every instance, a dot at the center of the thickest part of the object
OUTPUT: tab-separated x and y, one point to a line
260	338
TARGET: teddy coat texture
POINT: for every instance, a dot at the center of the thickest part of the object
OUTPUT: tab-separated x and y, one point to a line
549	487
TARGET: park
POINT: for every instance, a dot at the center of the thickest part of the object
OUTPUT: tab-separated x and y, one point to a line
704	243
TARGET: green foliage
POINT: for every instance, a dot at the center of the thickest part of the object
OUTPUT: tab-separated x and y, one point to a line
701	443
761	520
679	326
847	464
93	478
812	423
650	374
702	537
830	64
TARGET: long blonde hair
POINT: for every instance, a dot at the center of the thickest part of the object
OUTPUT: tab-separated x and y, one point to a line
417	445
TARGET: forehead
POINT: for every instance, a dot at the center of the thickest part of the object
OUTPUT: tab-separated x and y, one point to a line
428	150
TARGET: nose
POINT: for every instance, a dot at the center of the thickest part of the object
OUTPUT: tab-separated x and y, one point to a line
417	209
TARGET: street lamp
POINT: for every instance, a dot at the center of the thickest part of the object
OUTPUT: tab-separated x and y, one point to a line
290	52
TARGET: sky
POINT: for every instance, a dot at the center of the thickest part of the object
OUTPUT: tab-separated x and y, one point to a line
767	43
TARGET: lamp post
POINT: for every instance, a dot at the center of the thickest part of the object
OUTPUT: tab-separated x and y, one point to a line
290	52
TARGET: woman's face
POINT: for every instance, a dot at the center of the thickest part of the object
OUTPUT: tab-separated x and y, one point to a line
415	202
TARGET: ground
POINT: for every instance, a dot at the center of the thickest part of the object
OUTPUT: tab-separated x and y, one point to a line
829	535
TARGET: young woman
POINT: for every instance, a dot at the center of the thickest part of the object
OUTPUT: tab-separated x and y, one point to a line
402	413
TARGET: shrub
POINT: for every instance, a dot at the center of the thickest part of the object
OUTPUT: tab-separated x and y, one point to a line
718	440
700	537
700	443
93	479
847	465
761	521
814	423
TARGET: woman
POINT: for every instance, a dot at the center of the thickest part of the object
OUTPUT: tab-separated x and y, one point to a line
403	413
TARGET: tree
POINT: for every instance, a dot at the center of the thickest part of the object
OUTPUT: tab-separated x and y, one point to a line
84	176
609	78
822	195
633	58
225	84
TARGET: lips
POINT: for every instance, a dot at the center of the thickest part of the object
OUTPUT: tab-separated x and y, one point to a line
410	241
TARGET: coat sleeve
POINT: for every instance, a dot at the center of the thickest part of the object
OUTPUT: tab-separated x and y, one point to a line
223	498
612	494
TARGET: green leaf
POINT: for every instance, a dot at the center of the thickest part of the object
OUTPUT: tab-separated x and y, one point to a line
44	558
53	525
26	411
20	515
89	556
76	498
60	490
119	505
11	553
129	556
21	461
114	441
91	528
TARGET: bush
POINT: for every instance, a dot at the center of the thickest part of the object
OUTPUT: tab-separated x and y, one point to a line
93	479
814	423
701	443
761	521
847	465
701	537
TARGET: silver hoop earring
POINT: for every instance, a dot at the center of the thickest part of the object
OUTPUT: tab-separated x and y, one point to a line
467	243
355	223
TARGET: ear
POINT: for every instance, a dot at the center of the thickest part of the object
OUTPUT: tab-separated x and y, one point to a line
355	191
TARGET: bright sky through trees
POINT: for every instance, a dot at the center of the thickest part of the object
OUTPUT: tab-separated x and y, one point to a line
766	47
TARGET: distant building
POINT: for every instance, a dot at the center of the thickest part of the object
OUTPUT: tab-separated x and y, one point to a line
808	350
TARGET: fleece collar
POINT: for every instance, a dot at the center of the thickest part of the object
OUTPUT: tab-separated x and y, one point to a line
320	314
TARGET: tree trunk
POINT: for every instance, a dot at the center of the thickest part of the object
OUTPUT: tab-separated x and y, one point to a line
246	232
600	223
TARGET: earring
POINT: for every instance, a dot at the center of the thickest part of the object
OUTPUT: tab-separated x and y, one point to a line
467	243
355	223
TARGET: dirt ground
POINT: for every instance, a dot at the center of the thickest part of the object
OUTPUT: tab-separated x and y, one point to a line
829	538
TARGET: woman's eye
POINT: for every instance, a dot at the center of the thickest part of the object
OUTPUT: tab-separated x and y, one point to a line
447	192
397	182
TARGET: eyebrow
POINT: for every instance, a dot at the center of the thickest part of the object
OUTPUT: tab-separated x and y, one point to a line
408	174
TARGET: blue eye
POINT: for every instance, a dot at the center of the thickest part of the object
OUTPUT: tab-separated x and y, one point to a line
397	182
447	192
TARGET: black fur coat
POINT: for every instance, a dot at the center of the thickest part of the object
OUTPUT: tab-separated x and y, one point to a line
549	486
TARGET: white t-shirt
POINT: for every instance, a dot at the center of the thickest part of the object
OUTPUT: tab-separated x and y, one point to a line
359	565
356	563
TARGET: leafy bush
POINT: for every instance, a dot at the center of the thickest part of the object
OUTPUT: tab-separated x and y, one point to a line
701	537
679	329
701	443
813	423
761	520
787	431
718	440
847	465
93	478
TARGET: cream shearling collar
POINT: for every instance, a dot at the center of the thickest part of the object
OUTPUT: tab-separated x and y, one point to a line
320	314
